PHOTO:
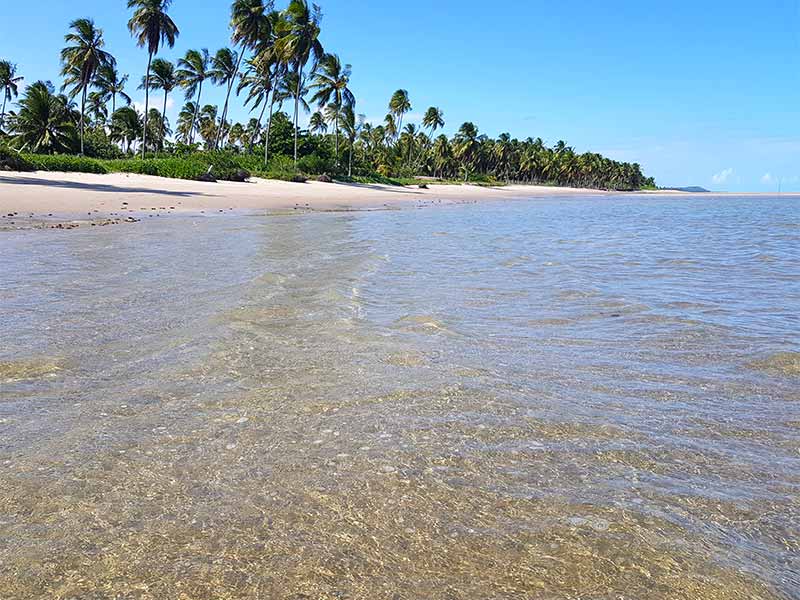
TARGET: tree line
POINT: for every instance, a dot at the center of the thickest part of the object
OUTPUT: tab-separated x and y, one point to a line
276	60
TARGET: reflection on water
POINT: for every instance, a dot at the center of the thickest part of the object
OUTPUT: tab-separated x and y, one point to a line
548	399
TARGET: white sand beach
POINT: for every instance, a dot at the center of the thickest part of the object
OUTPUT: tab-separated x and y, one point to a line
43	193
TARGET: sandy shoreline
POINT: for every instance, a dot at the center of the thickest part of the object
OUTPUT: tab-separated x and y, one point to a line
46	197
84	195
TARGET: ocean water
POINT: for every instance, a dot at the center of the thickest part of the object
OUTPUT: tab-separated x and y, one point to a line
589	398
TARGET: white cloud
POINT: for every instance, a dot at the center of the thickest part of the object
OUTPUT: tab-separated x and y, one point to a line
155	102
770	179
723	176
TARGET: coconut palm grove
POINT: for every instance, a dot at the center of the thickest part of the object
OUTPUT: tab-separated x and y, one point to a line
279	67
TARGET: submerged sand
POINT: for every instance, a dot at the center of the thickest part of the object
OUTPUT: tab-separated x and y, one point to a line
521	400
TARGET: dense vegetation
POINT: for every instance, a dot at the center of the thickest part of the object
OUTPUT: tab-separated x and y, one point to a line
277	61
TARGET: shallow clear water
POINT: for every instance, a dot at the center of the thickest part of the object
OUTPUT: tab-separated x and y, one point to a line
585	398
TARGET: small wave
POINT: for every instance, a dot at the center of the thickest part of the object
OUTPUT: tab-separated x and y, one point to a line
575	294
552	322
684	305
426	323
678	262
516	261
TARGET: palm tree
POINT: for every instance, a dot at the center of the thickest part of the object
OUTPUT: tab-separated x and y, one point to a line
297	43
208	125
466	146
280	93
442	154
502	153
433	119
81	59
158	129
250	24
193	69
151	26
379	136
252	130
390	127
258	81
399	105
296	90
333	114
9	83
96	108
186	121
270	61
163	77
365	137
110	84
44	122
561	146
352	126
331	80
126	127
225	68
73	112
409	134
237	134
317	123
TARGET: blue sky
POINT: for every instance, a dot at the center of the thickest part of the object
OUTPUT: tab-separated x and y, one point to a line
702	92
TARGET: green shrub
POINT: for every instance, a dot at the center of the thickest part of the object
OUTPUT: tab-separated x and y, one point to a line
223	164
66	163
182	149
250	162
282	167
481	178
194	166
173	167
10	160
314	164
99	146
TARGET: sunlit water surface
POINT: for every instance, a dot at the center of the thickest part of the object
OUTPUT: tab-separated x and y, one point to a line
589	398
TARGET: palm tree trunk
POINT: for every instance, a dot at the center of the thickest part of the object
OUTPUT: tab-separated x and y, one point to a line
196	112
146	103
227	99
350	161
83	111
269	127
258	130
113	102
164	120
224	116
3	112
297	110
336	124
